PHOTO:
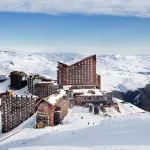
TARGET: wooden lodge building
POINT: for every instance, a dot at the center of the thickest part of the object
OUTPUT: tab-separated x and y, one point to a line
81	74
52	109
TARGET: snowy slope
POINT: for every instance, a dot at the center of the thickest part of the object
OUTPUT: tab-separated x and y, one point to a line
123	72
44	63
118	72
124	132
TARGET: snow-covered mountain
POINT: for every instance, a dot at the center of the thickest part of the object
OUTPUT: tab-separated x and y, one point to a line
43	62
117	72
123	72
122	131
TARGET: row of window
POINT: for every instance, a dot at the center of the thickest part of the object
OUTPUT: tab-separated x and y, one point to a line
79	75
79	68
92	98
79	81
80	72
86	62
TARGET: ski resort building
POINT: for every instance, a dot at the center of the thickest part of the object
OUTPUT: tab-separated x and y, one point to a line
45	89
84	97
51	110
16	109
18	79
40	86
81	74
31	81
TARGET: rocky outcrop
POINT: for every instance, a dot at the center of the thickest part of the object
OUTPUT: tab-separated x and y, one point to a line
140	97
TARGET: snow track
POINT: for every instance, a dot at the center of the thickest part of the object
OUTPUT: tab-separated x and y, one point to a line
8	136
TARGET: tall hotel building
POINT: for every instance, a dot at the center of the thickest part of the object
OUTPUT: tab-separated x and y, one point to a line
81	74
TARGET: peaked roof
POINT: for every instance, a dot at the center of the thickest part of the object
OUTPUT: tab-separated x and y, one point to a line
52	99
63	64
78	61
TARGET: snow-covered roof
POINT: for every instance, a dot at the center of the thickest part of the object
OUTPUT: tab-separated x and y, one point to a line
55	84
88	92
43	82
66	87
29	95
118	100
52	99
47	77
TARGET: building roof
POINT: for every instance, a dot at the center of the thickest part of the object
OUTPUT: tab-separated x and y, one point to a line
84	59
19	73
78	61
44	82
88	92
67	87
63	64
52	99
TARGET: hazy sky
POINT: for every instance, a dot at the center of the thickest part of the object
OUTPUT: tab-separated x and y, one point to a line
87	26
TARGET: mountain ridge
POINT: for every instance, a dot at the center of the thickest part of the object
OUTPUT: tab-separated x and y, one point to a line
118	72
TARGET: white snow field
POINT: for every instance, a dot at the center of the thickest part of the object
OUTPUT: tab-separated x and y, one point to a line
117	72
128	130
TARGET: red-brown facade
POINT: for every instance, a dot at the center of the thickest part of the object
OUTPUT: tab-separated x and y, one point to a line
44	89
51	115
82	73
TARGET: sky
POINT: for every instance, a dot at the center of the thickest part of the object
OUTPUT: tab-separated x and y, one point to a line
83	26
